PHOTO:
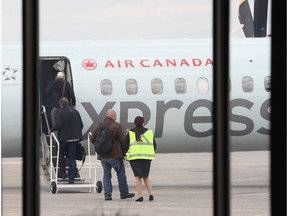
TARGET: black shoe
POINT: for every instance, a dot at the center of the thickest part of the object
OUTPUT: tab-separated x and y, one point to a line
71	182
108	198
151	198
129	195
140	199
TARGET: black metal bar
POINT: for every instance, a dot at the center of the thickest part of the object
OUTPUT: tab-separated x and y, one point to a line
278	139
31	138
221	196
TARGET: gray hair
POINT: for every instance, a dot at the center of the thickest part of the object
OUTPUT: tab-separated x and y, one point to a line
111	113
64	102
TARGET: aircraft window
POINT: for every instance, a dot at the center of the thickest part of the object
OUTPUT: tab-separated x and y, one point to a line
106	87
202	85
131	87
157	86
180	86
247	84
267	83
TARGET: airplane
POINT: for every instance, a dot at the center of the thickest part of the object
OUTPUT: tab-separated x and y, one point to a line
168	82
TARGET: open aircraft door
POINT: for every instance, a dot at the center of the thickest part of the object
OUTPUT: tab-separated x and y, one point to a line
49	67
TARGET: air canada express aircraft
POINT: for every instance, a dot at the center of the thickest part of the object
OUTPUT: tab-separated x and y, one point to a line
168	82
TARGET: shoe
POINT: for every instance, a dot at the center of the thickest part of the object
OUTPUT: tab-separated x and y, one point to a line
108	198
140	199
129	195
151	198
71	182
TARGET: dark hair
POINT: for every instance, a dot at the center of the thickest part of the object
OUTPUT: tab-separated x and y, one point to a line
138	121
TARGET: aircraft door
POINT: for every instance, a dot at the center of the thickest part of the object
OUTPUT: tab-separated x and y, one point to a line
48	69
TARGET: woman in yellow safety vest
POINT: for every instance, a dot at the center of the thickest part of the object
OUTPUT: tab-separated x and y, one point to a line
140	149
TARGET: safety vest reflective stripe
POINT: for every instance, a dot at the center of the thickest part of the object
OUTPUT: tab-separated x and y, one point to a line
141	149
141	155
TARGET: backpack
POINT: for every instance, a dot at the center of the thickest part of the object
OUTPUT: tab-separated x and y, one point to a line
104	142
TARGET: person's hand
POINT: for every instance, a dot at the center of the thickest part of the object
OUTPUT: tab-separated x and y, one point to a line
49	132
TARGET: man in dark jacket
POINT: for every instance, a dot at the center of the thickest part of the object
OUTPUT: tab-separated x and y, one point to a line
55	90
69	126
113	159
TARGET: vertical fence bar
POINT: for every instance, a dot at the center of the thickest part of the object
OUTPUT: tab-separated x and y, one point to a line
31	137
221	196
278	139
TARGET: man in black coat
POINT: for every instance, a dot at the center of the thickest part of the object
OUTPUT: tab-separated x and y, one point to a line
69	126
55	90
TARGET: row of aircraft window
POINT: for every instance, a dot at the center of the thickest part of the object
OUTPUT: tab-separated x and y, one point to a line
180	85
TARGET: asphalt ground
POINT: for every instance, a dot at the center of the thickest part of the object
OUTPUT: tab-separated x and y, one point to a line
182	185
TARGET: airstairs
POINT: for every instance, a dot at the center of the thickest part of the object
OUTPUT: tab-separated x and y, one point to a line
49	165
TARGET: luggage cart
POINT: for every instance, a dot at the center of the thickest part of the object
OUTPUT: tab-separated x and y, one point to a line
51	169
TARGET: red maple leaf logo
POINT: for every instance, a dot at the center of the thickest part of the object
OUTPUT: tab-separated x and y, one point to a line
89	64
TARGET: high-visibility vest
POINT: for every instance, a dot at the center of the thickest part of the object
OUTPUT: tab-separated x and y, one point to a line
141	149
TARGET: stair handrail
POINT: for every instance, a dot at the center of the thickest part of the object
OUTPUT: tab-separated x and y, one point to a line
45	115
89	153
52	136
95	171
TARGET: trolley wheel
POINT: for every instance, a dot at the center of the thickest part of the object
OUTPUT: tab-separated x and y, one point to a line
53	187
99	186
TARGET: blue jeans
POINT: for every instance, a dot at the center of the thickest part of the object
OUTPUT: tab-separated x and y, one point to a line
68	149
118	166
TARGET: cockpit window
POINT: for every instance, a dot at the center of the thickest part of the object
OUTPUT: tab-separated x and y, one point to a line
106	87
157	86
180	86
131	87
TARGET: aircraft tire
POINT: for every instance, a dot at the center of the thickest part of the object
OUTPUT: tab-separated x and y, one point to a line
99	186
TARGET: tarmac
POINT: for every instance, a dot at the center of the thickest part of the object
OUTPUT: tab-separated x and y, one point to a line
182	185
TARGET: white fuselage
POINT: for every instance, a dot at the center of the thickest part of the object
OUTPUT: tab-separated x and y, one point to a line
172	83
